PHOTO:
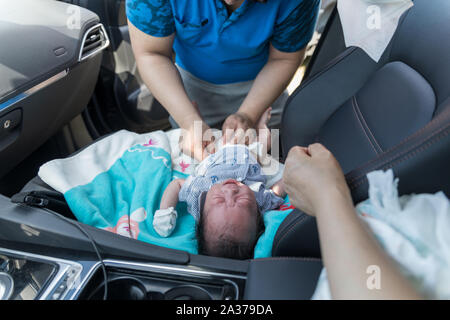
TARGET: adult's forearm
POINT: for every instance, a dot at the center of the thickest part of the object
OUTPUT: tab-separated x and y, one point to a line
163	79
353	258
270	83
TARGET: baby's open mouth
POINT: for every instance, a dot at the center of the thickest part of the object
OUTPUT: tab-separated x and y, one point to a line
231	181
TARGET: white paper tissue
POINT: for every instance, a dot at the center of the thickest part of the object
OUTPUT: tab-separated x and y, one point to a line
371	24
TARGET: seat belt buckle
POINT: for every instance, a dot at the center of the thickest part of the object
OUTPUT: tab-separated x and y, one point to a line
35	201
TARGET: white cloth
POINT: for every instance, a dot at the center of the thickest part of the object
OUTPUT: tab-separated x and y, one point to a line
371	24
414	230
326	8
165	221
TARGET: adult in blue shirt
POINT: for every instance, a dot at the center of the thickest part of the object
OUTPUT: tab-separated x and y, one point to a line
233	58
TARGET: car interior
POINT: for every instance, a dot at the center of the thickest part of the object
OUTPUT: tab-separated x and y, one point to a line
66	83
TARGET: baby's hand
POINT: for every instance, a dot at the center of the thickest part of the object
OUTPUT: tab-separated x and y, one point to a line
164	221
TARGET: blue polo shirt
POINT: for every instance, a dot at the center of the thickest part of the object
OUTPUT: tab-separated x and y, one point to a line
221	48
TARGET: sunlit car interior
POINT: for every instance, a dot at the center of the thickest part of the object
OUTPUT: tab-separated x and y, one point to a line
69	80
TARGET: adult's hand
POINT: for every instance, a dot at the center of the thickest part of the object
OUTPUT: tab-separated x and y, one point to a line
196	140
238	128
312	176
316	185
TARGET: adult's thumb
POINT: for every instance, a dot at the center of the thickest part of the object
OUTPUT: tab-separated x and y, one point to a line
298	151
316	148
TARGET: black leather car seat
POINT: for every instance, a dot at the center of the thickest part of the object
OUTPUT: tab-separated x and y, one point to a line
392	114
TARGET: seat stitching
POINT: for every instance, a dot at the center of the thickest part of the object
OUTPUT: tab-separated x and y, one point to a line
289	231
290	228
409	149
345	54
388	164
436	131
342	56
368	164
362	127
358	109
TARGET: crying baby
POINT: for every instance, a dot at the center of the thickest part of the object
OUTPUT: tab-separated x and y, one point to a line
227	195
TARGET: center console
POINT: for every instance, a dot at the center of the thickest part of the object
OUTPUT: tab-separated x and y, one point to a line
25	276
148	281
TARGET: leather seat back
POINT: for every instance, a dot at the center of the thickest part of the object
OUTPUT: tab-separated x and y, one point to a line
391	114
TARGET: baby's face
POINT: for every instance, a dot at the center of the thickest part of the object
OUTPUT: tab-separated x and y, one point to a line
231	203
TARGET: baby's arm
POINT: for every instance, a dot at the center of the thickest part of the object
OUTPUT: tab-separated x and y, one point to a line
170	196
165	219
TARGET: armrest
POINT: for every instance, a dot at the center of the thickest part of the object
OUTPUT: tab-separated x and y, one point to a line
282	278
